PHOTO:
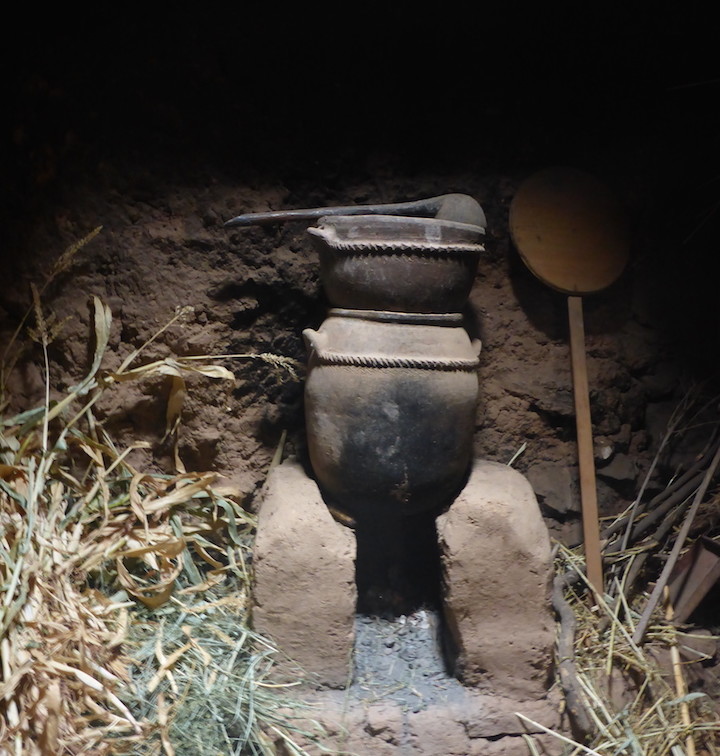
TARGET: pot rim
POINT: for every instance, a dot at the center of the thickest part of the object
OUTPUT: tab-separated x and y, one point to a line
400	220
387	233
447	319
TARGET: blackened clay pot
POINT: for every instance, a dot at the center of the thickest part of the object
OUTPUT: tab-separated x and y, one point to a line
390	403
384	262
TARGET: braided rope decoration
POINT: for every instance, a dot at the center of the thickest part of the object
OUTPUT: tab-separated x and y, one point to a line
377	361
394	247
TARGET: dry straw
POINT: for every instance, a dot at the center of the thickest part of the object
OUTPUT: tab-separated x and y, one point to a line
630	700
626	692
124	623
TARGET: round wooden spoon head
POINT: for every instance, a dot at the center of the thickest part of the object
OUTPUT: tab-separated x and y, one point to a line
569	230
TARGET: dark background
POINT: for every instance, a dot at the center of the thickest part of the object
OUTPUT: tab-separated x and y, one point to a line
307	94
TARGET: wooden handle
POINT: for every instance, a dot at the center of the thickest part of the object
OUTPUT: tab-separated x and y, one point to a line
586	459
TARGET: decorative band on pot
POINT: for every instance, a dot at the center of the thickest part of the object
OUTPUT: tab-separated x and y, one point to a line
376	361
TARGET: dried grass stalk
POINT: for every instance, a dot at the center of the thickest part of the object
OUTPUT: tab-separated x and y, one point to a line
630	699
83	538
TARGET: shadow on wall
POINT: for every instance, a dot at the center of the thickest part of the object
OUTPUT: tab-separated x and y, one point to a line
605	312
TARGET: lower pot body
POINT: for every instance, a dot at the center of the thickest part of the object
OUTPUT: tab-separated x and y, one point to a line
392	434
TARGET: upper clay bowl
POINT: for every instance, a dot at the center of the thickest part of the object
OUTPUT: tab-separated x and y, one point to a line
397	263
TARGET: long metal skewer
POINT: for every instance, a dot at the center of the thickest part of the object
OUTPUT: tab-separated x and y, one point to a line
460	208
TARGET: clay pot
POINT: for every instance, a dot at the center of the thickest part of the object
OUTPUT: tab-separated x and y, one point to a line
390	409
384	262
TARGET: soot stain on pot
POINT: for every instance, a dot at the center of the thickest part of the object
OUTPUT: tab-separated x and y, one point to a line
391	438
398	563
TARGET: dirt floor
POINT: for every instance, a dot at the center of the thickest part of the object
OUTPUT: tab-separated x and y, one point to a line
159	133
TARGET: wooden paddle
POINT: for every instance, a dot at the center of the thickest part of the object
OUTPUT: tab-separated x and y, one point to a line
571	233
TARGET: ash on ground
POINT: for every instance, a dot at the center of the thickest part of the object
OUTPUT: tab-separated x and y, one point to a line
400	659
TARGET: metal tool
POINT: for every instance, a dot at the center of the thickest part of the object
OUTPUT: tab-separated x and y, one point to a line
460	208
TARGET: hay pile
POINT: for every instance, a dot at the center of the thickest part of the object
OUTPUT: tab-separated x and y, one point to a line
621	697
124	595
621	661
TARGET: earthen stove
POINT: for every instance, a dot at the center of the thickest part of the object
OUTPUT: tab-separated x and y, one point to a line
391	554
